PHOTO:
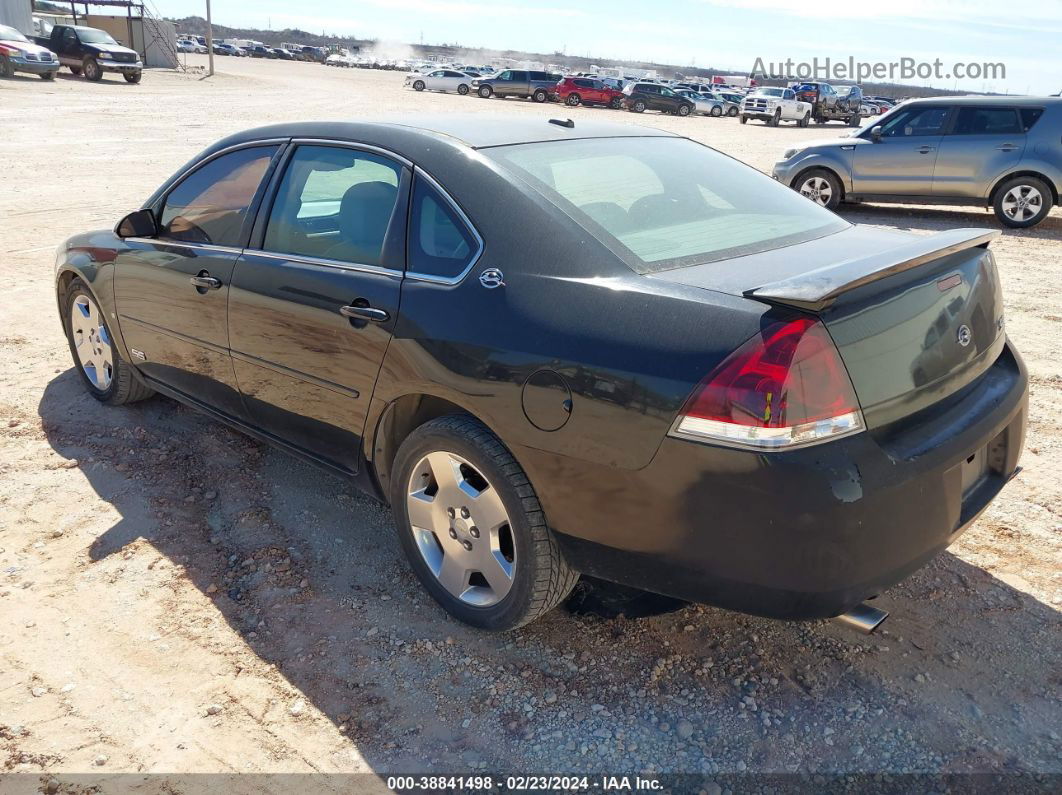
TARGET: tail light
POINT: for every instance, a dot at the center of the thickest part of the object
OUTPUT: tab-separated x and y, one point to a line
786	387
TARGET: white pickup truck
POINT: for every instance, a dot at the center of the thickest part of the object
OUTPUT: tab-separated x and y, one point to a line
774	105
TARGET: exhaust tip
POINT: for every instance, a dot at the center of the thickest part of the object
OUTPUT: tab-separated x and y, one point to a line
863	618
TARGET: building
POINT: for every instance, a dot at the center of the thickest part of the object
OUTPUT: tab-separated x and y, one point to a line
17	14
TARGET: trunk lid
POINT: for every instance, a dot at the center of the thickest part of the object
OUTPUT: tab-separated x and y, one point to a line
915	318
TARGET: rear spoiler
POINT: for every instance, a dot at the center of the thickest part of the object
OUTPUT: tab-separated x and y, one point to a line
817	289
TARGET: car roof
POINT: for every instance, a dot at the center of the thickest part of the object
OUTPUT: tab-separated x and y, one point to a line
475	130
981	100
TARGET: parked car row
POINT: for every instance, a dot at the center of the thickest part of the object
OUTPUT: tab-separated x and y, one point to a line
574	90
83	50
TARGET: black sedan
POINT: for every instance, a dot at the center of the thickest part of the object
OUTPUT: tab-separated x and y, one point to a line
561	348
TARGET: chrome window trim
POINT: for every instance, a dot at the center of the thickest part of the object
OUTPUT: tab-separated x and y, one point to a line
177	180
161	241
449	281
322	261
354	145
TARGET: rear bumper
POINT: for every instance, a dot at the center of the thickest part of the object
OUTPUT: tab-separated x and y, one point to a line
802	534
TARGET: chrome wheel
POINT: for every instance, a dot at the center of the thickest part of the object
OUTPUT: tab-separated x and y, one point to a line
817	189
461	529
1022	202
92	342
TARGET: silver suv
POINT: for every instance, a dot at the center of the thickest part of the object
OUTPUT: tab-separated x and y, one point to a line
1002	152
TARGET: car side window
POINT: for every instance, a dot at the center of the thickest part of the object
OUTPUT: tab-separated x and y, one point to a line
519	76
210	205
788	94
916	122
334	203
987	121
504	76
69	38
440	242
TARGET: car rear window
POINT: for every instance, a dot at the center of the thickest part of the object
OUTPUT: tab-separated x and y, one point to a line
664	203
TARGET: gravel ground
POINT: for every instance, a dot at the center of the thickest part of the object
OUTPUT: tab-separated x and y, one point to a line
177	598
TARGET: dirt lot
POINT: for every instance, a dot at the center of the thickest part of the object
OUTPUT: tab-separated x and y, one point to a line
177	598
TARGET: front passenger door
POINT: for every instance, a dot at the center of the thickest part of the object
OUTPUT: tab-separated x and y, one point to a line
171	291
902	162
315	297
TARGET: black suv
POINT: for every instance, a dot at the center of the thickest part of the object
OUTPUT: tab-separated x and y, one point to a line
517	83
653	96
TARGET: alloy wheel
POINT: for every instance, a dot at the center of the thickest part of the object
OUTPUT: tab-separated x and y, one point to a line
461	528
817	189
92	342
1022	202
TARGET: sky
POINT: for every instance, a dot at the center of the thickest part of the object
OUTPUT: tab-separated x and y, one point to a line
730	34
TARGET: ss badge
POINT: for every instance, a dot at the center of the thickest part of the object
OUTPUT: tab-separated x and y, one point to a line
491	278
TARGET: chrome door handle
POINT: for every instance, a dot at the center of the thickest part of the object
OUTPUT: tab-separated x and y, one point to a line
365	313
206	281
925	150
1006	147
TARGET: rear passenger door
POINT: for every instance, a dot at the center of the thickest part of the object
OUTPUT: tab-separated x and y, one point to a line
520	85
984	143
314	298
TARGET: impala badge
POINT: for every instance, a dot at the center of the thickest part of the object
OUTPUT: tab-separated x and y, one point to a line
964	335
491	278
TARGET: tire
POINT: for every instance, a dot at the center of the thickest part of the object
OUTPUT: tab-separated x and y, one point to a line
638	106
716	111
775	119
732	112
462	90
854	121
132	77
418	85
485	92
615	103
683	110
540	95
538	577
806	120
120	385
6	70
1022	202
92	70
744	119
821	186
573	99
48	76
74	70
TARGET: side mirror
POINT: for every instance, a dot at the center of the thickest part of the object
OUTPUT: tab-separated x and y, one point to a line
875	133
139	223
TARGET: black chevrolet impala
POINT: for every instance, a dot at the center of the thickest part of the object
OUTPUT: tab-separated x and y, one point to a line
558	349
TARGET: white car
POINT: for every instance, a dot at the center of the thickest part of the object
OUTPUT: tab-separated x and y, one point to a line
186	46
702	103
440	80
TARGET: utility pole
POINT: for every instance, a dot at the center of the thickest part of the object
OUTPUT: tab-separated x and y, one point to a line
210	42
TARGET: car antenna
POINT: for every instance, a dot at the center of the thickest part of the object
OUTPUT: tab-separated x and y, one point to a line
563	123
